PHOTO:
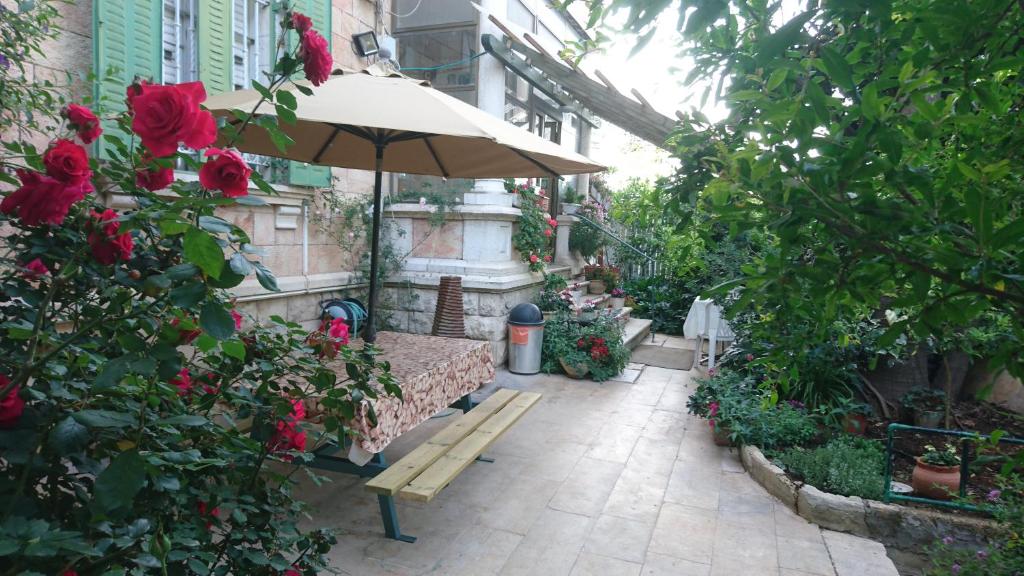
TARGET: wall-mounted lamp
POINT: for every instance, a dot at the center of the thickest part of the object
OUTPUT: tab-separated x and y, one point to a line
366	43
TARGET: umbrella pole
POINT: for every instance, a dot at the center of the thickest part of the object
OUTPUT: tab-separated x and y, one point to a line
371	313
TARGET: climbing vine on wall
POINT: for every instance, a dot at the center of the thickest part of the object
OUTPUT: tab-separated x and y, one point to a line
532	238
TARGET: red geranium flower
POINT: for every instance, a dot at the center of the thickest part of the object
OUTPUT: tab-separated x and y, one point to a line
107	245
12	406
84	122
35	269
226	171
67	162
339	330
168	115
316	57
186	336
42	199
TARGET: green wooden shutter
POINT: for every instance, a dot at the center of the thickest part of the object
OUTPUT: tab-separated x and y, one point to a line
300	173
126	37
215	45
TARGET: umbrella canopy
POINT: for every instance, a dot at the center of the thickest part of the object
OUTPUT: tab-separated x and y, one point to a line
425	130
383	121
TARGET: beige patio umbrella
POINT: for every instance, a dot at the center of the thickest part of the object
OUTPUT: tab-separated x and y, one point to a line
384	121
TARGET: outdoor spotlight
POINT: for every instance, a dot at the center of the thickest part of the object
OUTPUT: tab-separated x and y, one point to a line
366	43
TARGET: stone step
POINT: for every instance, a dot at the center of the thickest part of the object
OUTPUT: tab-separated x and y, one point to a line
853	556
635	331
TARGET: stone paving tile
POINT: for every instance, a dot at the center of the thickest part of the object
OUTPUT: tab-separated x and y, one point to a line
852	555
694	485
550	547
804	555
521	503
637	495
478	553
589	564
615	442
586	489
627	375
662	565
619	538
685	532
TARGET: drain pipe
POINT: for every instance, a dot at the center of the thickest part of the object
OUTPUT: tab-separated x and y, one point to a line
305	238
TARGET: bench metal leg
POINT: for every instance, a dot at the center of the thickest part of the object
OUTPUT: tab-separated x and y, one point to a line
389	515
484	459
465	403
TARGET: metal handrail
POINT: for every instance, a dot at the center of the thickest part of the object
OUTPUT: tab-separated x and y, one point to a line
614	236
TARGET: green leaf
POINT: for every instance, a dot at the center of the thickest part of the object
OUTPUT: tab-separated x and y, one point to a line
837	67
285	114
251	200
68	437
216	321
203	251
104	419
776	79
183	420
265	277
215	224
117	486
206	343
228	279
263	90
181	271
113	371
287	99
173	227
240	264
189	295
233	348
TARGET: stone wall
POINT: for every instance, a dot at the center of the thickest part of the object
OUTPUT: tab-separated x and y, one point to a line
410	308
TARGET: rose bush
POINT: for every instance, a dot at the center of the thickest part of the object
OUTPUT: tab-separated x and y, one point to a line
144	425
532	238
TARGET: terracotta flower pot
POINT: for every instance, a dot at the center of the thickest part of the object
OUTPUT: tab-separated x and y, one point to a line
938	482
928	418
855	424
596	287
720	434
578	372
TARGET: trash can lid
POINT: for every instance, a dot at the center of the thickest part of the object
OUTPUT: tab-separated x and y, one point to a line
526	314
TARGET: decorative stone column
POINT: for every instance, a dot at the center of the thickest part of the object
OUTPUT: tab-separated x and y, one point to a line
490	97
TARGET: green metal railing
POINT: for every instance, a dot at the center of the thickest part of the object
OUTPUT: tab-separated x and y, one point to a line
966	438
651	267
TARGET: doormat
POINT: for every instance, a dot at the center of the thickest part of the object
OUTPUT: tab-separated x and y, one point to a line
673	358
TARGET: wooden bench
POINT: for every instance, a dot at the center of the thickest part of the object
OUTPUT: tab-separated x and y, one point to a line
421	474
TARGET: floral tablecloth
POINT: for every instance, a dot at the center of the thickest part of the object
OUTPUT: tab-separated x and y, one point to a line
433	372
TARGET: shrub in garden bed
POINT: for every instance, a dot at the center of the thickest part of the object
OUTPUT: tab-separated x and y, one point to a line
596	344
846	465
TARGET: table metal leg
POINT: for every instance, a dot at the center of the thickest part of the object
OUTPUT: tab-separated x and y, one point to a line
389	515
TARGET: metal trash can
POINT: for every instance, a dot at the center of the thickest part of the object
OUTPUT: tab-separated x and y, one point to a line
525	337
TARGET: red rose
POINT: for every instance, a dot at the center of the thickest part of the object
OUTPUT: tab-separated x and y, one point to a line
107	245
67	162
292	572
42	199
339	330
154	177
225	171
186	336
316	57
168	115
237	318
553	223
208	381
286	434
84	122
533	258
183	382
134	89
35	269
547	232
206	512
301	22
11	406
547	258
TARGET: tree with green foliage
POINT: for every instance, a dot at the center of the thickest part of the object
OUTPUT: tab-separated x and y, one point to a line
880	142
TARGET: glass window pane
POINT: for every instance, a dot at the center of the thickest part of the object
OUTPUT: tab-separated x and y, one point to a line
520	15
419	13
549	39
440	56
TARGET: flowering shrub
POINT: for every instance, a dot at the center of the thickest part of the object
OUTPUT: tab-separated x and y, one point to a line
532	238
125	371
584	237
597	345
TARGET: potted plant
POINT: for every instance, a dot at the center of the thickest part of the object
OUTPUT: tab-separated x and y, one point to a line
924	406
570	201
851	416
937	473
618	299
587	311
576	291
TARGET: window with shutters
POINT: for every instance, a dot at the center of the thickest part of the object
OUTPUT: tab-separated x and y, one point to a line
252	54
180	43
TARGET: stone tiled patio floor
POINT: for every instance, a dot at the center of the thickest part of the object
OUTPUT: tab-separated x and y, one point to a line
598	479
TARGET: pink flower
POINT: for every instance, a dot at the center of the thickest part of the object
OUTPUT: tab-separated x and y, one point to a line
553	223
237	318
547	232
947	540
547	258
750	357
35	269
981	554
533	258
993	496
713	408
712	372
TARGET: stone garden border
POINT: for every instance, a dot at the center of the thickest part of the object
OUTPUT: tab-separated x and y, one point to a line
900	527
